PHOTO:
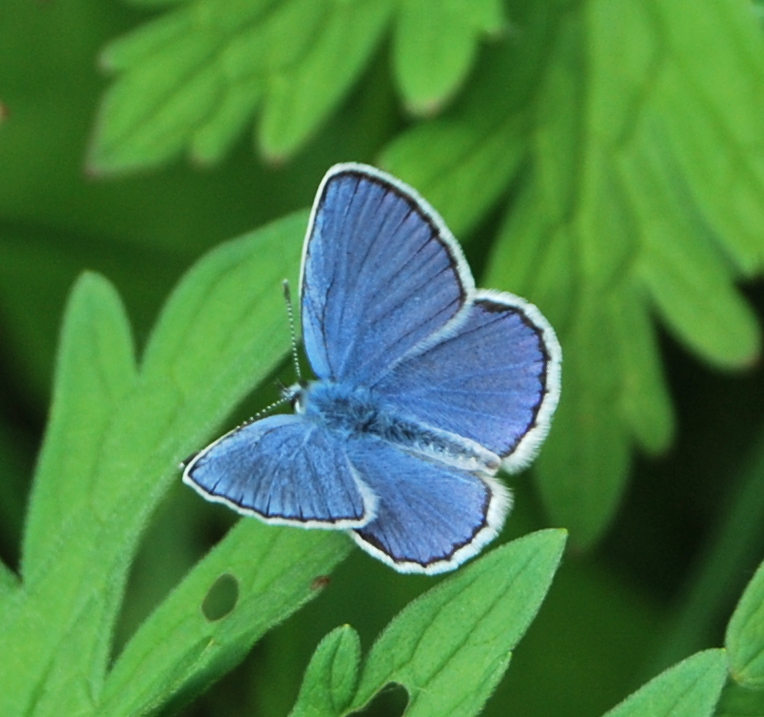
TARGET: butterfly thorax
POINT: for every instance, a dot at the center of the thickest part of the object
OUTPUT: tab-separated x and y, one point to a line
353	412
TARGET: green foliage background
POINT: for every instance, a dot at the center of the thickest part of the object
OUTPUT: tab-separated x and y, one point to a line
604	158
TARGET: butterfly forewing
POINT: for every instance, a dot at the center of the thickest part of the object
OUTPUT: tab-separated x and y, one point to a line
284	470
380	274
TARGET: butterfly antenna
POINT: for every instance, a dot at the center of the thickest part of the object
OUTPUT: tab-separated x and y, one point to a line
292	333
263	411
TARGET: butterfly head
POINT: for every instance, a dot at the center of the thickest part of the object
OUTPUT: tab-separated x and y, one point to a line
295	395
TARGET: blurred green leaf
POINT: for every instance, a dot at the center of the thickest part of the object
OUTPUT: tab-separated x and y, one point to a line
462	162
435	45
192	78
331	676
39	265
583	468
644	403
636	170
450	647
456	165
301	95
689	689
685	272
745	635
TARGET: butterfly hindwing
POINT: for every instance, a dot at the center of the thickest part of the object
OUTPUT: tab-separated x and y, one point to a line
381	272
284	470
430	516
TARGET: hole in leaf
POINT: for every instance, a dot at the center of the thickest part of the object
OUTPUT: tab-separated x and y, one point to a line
221	598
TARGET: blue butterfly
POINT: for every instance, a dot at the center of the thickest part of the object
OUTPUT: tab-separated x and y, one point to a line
426	388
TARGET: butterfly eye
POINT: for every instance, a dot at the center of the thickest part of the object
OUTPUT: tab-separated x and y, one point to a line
295	395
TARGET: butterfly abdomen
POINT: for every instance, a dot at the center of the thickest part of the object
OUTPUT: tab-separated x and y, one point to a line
358	413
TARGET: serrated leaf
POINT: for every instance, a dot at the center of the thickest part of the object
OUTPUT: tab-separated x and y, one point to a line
535	255
215	135
435	44
689	689
300	96
583	468
331	676
745	635
459	167
450	647
684	271
645	404
95	370
636	172
191	79
178	651
463	161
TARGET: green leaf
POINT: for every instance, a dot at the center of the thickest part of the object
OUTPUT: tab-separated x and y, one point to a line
684	270
745	635
212	137
156	3
645	404
95	370
643	191
8	581
450	647
331	676
689	689
230	296
435	45
459	166
738	701
712	101
178	652
301	96
463	161
218	336
583	468
192	78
